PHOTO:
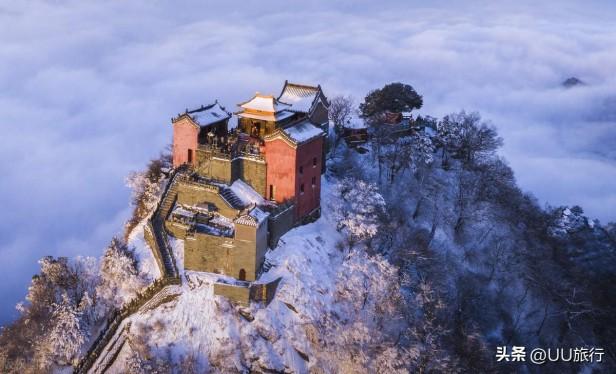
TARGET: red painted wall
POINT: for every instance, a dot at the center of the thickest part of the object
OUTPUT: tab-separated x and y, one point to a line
283	172
280	158
311	197
185	136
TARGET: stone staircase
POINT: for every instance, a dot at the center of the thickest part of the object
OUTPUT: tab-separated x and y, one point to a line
231	198
167	286
165	249
113	348
169	200
166	295
160	234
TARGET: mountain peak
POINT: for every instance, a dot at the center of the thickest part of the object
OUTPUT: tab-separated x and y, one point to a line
572	82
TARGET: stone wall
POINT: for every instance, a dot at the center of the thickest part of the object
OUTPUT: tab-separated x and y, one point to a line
228	256
244	294
279	224
223	169
193	194
203	252
251	171
238	294
148	234
308	163
264	292
176	230
214	167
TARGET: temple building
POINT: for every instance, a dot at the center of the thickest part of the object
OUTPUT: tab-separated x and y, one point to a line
244	184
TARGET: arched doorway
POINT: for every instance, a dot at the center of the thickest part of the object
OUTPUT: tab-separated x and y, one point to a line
242	276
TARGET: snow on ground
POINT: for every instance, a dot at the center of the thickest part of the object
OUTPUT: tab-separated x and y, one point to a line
177	246
147	262
246	193
207	325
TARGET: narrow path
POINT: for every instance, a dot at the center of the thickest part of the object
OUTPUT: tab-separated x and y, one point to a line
106	347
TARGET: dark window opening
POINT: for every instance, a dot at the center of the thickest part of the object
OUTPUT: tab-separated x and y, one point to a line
301	188
314	162
271	194
190	156
256	129
314	181
301	170
242	276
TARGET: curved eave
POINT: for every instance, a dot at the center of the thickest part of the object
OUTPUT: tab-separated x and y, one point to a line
185	116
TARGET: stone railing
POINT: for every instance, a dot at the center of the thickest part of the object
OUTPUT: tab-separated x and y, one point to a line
170	276
282	207
157	227
114	321
216	152
200	183
253	156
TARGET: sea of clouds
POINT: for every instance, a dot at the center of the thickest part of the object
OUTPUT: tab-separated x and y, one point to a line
87	90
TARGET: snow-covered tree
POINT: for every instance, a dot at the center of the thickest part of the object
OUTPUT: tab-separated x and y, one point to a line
86	308
364	322
120	278
67	335
146	188
54	278
466	137
359	208
150	364
422	153
428	331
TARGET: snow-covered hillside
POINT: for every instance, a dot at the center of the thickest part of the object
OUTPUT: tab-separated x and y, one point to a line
316	295
426	257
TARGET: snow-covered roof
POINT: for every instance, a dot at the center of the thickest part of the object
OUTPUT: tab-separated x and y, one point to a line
355	123
221	220
215	231
264	103
259	215
209	114
267	117
246	193
201	208
255	218
303	131
300	97
180	211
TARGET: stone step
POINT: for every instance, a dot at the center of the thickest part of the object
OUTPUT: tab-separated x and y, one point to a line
267	265
231	198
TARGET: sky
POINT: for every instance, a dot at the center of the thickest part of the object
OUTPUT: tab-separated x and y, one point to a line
87	90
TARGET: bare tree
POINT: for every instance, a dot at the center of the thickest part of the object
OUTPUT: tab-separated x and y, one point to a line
340	113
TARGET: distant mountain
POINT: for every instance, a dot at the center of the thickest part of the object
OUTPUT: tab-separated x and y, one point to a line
572	82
